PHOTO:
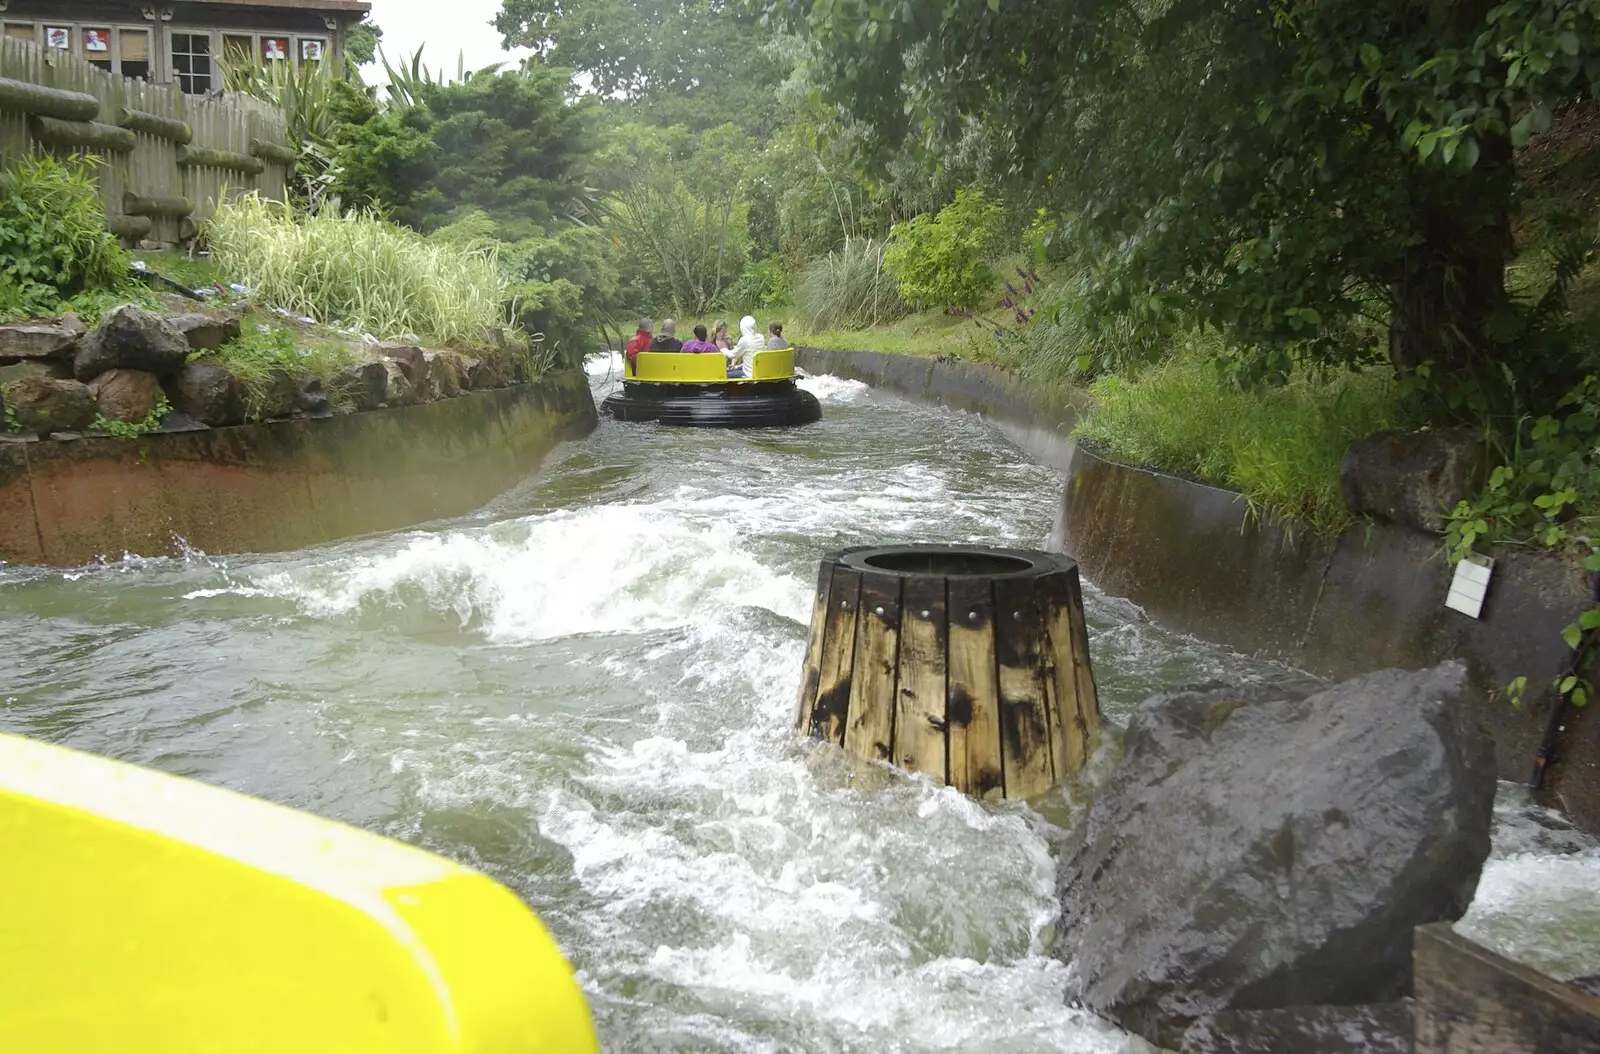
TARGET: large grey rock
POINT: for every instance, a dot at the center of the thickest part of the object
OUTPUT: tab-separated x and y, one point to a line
1252	851
488	372
366	384
126	395
130	338
291	393
45	404
1414	478
38	340
208	393
1382	1028
205	332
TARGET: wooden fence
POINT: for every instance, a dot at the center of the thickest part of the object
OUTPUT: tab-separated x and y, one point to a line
169	157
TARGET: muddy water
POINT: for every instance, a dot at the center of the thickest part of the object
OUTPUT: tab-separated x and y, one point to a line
585	690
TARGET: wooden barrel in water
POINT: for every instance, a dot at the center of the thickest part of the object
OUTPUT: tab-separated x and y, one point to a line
967	663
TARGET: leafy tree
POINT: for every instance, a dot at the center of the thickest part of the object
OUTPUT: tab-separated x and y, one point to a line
676	204
1275	169
700	63
361	43
511	144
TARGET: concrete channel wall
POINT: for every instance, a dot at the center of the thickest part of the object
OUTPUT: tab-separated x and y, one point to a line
1201	561
280	485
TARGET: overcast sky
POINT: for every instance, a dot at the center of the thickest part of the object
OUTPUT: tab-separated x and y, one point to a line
447	27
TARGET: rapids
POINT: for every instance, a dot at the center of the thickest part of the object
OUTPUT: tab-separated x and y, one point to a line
585	689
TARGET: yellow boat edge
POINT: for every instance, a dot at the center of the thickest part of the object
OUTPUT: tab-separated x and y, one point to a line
144	913
675	367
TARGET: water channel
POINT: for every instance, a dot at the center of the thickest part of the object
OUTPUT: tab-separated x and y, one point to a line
585	689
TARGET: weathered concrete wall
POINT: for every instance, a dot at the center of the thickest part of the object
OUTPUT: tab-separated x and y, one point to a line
282	485
1197	559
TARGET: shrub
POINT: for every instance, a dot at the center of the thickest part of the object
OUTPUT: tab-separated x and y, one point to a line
942	261
1281	446
848	289
359	271
53	239
763	284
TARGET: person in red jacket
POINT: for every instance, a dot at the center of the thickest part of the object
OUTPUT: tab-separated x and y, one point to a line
640	342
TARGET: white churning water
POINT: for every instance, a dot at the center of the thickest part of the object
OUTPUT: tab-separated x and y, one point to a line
586	690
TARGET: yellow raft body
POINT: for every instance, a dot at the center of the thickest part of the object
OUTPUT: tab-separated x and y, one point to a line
146	914
674	388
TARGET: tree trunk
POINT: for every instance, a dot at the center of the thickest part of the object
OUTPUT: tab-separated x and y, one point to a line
1452	282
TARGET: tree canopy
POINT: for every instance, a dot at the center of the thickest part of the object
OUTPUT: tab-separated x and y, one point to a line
699	63
1276	169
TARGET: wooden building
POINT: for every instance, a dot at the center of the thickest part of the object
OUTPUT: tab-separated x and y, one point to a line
181	42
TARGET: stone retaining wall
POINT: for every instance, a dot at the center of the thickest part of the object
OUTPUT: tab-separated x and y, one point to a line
283	484
1198	560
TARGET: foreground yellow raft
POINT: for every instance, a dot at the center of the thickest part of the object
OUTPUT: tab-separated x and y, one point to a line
142	913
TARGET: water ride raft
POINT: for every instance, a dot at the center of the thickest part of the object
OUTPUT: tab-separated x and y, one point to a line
695	391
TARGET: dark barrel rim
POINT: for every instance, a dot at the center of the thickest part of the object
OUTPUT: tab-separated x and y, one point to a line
950	561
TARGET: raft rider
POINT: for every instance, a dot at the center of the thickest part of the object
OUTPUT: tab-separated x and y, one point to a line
639	342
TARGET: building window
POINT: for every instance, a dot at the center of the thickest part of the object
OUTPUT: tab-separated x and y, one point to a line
311	50
58	37
135	48
191	62
238	52
22	31
97	48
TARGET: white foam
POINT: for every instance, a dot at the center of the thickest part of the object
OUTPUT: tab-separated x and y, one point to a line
830	389
610	568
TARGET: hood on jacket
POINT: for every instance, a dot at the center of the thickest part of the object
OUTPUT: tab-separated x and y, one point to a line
747	327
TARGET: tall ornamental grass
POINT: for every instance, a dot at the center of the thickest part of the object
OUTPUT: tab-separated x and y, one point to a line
848	289
1280	446
358	271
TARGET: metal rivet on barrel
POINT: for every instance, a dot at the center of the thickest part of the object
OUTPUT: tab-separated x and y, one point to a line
972	616
877	610
1017	615
844	605
926	612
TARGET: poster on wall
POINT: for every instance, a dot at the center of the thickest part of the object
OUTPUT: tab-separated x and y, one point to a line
58	37
97	40
311	50
274	48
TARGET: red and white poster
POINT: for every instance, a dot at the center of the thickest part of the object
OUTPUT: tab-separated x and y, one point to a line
97	40
274	48
58	37
311	50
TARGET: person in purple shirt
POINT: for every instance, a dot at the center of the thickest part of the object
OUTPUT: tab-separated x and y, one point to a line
699	343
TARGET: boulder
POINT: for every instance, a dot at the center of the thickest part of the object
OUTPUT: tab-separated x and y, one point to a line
129	338
204	332
1382	1028
366	383
313	399
45	404
126	395
488	372
208	393
414	361
443	373
465	364
397	387
291	393
31	341
1252	851
72	324
1412	478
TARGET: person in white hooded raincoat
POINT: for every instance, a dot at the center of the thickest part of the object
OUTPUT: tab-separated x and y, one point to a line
750	342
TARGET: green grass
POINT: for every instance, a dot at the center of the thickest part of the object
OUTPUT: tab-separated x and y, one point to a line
359	271
929	334
198	272
1280	447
